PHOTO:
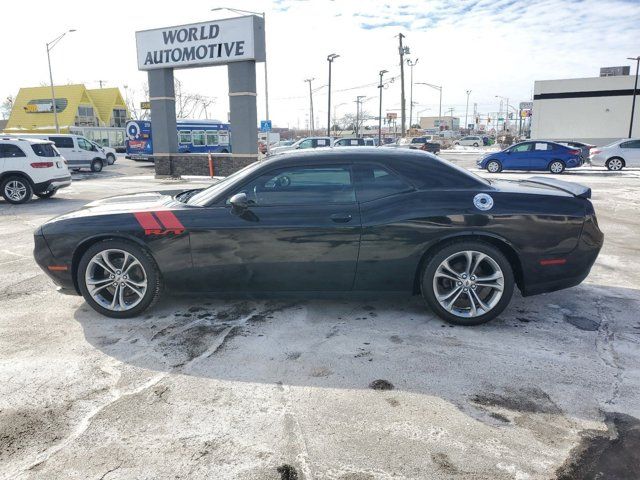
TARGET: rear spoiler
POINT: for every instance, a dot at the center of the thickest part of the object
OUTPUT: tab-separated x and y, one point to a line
574	189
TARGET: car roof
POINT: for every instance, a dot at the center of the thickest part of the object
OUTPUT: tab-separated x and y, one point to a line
342	154
22	139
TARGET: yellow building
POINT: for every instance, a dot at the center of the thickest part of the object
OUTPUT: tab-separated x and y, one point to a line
99	114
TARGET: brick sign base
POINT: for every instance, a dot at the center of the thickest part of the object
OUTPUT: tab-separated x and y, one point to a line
198	164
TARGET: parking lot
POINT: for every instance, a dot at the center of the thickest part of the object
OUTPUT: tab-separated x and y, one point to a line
351	389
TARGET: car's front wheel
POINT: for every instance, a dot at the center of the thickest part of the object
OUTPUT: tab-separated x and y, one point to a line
615	164
16	189
111	159
494	166
556	166
476	144
467	283
118	278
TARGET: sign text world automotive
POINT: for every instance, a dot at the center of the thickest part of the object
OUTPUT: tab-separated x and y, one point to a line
201	44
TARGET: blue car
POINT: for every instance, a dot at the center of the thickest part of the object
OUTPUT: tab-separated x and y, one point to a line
532	155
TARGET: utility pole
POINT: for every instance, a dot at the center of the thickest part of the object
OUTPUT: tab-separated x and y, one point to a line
50	45
311	125
466	112
451	115
380	86
402	50
635	92
358	104
411	64
330	59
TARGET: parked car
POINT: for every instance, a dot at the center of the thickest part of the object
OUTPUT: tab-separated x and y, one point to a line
304	143
358	219
617	155
349	142
425	143
110	153
585	148
78	151
470	141
532	155
30	166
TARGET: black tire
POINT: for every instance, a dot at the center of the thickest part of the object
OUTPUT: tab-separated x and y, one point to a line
433	262
47	194
96	165
476	145
111	159
615	164
16	189
492	169
557	166
154	279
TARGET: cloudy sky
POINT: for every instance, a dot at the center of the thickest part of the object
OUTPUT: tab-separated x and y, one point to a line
491	47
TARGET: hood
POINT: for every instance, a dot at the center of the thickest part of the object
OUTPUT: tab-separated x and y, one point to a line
137	202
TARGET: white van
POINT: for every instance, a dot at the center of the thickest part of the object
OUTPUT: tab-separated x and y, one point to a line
76	150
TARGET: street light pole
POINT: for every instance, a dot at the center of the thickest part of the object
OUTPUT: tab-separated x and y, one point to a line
311	125
505	122
50	46
380	86
635	91
466	112
330	59
358	103
411	64
402	50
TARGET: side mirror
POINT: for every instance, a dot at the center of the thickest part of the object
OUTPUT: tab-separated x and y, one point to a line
239	201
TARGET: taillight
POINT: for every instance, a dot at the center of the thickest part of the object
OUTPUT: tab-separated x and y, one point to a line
42	164
575	152
595	152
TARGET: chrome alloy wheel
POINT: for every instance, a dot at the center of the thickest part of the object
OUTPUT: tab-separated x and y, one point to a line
116	280
493	167
15	190
556	167
468	284
614	164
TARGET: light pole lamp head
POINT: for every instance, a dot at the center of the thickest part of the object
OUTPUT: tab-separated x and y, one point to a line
332	57
72	30
382	72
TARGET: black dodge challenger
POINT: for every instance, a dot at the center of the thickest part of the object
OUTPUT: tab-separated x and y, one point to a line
331	220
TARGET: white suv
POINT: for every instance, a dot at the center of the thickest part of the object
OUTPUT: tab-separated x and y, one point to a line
29	166
617	155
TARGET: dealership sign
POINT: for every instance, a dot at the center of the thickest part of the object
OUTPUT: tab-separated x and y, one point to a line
201	44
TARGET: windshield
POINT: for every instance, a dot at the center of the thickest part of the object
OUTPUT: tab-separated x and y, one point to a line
204	197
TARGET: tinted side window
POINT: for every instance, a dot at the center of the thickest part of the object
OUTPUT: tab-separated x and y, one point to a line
11	151
304	185
373	181
631	144
62	142
426	172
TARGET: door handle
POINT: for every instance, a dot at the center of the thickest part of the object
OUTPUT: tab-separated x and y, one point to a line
341	217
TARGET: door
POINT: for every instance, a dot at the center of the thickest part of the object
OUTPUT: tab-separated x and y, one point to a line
301	232
86	150
518	157
631	153
69	151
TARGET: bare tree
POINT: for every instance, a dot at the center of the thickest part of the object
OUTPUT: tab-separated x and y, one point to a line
7	106
133	100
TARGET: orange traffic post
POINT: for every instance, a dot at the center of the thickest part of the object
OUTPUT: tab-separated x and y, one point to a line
210	165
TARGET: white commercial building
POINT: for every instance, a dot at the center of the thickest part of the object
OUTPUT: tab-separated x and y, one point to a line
594	110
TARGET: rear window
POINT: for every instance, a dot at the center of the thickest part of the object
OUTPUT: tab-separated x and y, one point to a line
62	142
44	150
374	182
427	172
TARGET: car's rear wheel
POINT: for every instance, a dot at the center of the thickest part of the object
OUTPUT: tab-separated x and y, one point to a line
556	166
96	165
118	278
467	283
494	166
16	189
476	144
47	194
615	164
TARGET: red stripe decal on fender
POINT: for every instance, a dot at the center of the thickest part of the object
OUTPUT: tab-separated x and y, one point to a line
169	220
147	221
